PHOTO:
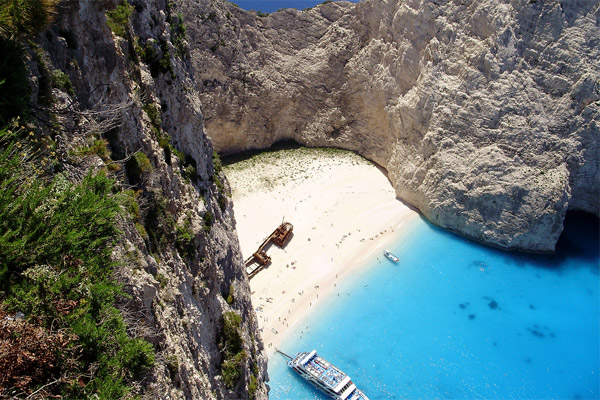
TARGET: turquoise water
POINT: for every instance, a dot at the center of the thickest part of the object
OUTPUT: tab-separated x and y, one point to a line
454	319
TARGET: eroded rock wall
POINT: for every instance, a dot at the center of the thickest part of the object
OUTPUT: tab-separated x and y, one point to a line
130	94
484	113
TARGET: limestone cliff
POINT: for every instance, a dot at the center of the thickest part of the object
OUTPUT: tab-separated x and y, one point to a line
484	113
124	103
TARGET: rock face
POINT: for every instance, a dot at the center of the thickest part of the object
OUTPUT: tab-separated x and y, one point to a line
484	113
130	88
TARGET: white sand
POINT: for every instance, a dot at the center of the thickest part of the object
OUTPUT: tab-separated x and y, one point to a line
343	210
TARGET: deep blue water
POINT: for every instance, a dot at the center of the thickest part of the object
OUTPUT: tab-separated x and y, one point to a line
455	319
274	5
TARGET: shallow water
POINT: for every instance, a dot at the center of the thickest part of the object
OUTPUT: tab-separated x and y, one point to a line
455	319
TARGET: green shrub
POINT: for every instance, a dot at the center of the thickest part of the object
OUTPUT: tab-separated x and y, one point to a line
118	19
232	337
25	17
62	81
98	147
165	144
231	369
158	222
189	171
230	299
178	153
222	200
153	114
208	221
56	241
129	202
76	220
185	239
19	18
218	168
45	80
164	64
252	386
137	166
162	280
163	138
147	53
178	33
219	183
217	163
232	345
142	231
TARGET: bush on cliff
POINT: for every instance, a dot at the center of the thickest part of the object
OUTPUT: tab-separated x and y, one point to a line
118	18
56	239
232	347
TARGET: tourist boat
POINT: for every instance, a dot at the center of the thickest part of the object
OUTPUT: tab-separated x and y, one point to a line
391	256
325	376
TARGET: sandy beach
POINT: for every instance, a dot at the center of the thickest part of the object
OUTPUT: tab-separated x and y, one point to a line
343	209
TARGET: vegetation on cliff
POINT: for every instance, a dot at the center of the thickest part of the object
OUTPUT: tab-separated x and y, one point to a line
61	333
232	346
55	274
115	239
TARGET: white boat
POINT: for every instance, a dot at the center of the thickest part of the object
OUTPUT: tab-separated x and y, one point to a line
325	376
390	256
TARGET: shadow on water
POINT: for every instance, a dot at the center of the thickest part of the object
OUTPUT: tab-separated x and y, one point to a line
580	238
308	388
578	243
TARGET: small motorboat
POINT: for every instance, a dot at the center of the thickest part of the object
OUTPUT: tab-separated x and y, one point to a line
390	256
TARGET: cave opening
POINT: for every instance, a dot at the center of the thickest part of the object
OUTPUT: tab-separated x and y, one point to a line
580	237
232	158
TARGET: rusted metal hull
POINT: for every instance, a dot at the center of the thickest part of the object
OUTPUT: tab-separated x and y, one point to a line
280	237
282	234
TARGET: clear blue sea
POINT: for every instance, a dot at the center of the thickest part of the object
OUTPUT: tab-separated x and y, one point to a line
458	320
270	6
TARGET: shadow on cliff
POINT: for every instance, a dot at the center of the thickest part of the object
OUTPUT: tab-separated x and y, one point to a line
580	238
578	245
248	154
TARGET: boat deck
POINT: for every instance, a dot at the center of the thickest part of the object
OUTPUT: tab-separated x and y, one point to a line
319	368
325	376
325	372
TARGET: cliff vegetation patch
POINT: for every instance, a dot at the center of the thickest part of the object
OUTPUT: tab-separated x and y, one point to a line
232	346
118	18
56	283
61	334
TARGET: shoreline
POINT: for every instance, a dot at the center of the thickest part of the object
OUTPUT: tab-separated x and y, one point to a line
328	286
343	209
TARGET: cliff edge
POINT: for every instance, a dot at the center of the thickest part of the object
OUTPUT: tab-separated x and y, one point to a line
112	86
484	113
